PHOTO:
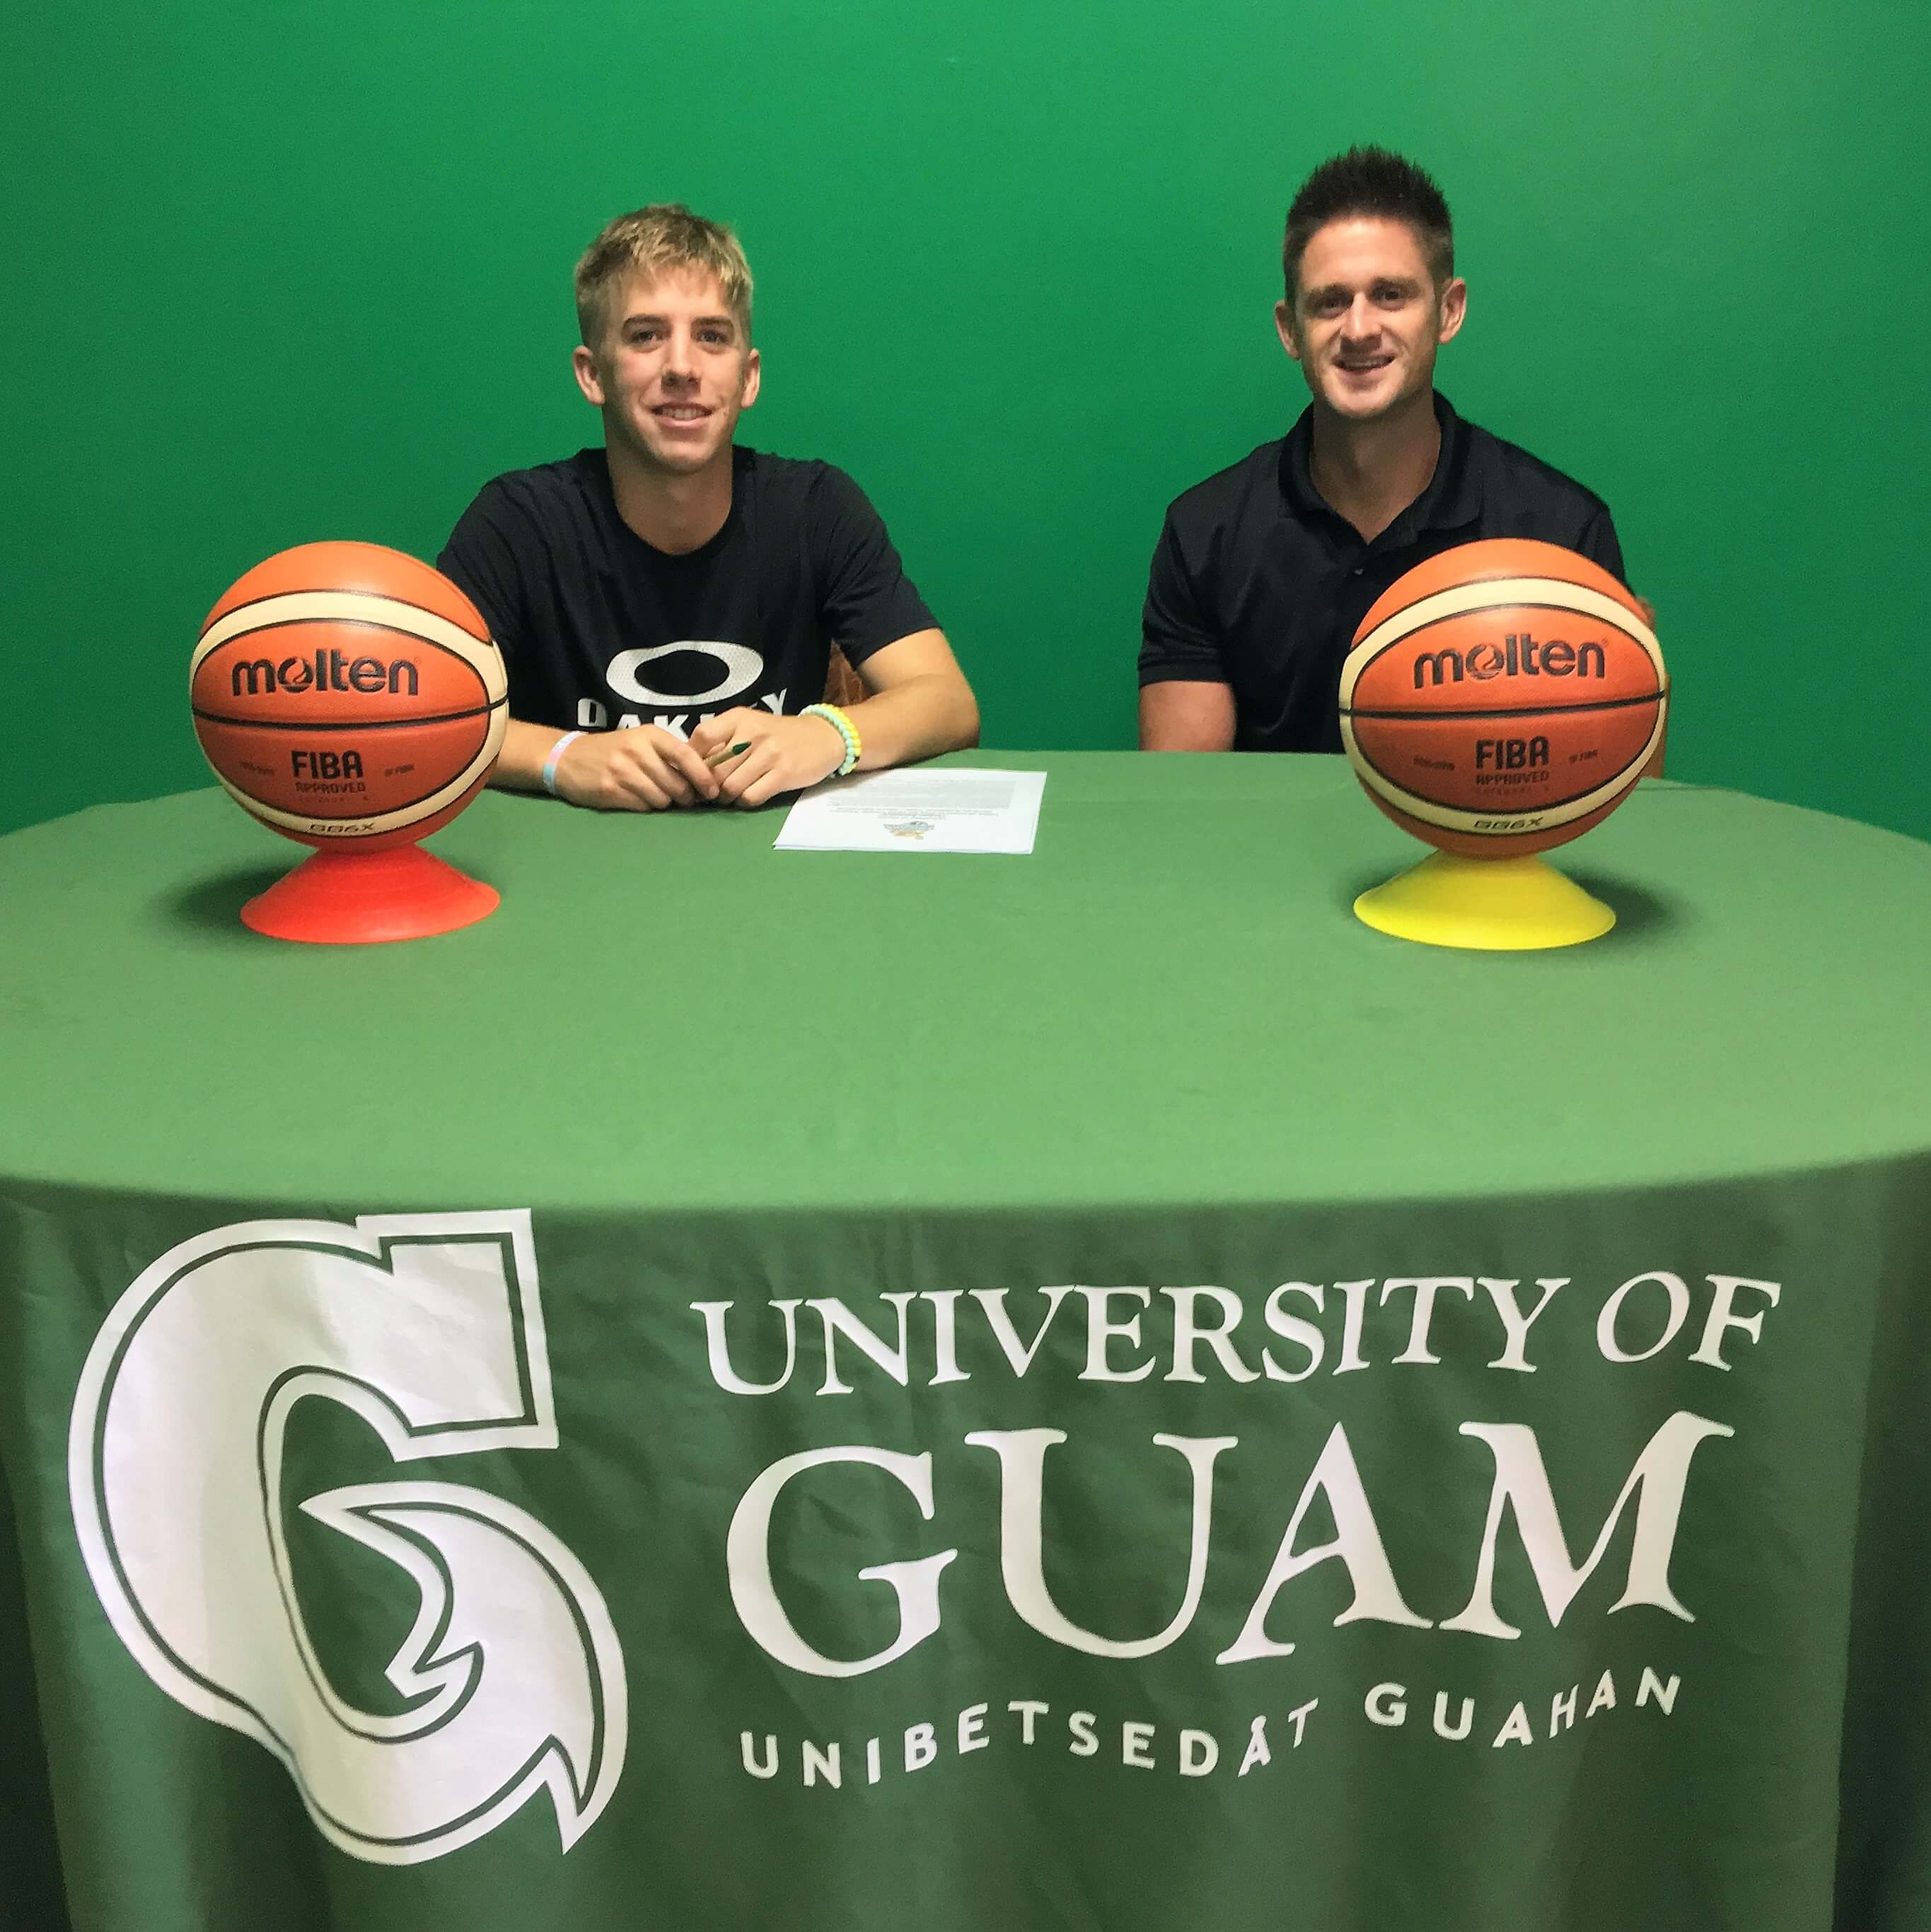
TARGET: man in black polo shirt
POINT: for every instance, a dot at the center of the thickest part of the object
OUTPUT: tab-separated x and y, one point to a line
1263	571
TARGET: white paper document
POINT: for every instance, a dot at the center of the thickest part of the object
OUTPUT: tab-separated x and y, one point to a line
917	811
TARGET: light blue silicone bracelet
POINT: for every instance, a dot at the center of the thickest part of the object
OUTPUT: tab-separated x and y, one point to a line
556	751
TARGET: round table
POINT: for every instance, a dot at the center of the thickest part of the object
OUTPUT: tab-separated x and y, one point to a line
769	1388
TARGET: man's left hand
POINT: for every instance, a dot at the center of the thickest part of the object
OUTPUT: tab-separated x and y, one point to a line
782	753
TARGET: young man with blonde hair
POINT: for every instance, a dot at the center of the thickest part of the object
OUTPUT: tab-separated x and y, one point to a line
1262	572
667	605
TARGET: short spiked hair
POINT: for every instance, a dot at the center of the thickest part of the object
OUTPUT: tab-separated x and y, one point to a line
1370	182
663	237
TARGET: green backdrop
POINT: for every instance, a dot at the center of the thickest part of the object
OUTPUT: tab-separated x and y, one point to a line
287	274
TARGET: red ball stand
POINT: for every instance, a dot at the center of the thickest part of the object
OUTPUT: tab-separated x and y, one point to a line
358	899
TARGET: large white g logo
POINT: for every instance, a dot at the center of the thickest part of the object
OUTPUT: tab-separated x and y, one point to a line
743	667
430	1328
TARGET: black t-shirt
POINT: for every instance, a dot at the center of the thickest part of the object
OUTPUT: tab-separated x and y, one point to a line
600	629
1259	585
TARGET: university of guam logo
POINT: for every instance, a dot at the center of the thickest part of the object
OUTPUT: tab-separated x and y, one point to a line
431	1329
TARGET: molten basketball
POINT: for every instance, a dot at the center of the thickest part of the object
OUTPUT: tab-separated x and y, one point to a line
1502	697
348	695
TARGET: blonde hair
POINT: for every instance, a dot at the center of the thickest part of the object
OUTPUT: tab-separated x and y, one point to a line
666	236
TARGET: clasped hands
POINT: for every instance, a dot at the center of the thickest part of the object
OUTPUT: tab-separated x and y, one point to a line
645	768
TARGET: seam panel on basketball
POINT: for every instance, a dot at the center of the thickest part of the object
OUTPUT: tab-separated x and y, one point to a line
1467	599
481	637
386	821
369	826
1438	715
1536	803
386	614
400	804
1453	711
1458	818
351	725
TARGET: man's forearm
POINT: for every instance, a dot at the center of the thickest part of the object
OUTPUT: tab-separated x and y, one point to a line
935	712
1182	715
526	748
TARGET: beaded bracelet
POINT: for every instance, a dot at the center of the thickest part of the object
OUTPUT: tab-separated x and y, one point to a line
550	763
846	729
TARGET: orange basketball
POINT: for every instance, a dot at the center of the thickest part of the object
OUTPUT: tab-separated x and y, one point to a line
1502	697
348	695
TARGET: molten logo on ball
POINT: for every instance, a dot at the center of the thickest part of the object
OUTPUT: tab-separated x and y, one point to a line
1525	656
330	671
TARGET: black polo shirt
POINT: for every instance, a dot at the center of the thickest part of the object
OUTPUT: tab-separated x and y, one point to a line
1259	585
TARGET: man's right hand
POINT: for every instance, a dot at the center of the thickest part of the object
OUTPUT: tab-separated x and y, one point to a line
641	768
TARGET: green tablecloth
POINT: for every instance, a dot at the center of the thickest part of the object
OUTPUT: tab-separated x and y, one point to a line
761	1389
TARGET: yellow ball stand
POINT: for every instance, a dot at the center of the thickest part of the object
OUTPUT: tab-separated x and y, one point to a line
1492	905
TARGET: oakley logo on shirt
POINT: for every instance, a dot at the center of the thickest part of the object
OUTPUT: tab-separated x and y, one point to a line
741	668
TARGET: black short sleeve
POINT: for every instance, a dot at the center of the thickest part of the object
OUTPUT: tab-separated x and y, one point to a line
482	559
1599	545
866	599
1175	644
